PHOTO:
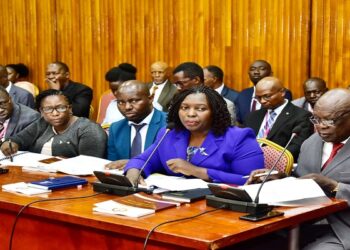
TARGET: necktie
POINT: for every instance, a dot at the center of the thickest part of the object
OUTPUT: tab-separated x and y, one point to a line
1	126
154	89
335	149
253	105
136	147
268	125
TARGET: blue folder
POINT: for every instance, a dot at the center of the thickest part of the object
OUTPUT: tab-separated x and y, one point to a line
59	182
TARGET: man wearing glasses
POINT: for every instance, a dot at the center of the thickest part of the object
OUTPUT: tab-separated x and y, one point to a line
278	117
190	74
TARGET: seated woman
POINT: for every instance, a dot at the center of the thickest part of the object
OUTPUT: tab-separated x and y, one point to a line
203	143
58	132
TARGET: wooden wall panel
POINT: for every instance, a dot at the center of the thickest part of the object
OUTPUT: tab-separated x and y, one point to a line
298	37
330	52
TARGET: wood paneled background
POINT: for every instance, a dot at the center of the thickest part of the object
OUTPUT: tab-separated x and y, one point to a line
300	38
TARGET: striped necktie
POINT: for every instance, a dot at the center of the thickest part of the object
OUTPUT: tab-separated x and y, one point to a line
265	130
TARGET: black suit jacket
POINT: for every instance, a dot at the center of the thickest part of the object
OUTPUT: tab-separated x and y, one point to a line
290	117
81	96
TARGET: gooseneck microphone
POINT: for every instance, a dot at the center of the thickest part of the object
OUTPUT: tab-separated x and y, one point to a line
169	127
237	201
296	131
120	184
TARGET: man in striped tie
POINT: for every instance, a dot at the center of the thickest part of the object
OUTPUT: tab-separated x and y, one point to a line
278	117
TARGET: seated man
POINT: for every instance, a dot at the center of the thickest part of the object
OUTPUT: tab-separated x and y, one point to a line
278	117
213	78
137	131
190	74
246	101
325	158
13	116
57	77
313	87
161	87
17	94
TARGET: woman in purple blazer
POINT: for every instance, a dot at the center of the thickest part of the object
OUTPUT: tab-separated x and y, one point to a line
203	144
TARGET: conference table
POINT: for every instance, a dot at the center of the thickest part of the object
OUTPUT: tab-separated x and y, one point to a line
71	224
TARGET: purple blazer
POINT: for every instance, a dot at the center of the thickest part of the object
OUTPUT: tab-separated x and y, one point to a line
228	157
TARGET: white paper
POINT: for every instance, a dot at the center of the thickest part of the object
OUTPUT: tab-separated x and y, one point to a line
83	165
174	183
288	191
26	159
113	207
23	188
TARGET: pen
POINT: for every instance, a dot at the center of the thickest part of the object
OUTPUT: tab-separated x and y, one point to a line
10	144
261	174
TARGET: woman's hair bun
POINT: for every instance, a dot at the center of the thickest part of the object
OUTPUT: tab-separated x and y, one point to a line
128	67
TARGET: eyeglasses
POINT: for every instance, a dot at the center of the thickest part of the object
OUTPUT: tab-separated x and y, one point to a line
59	109
4	104
329	123
267	97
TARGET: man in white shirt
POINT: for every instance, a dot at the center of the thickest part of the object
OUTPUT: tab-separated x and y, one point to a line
161	88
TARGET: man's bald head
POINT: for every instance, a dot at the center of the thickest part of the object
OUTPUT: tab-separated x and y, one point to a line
159	72
270	92
134	100
332	111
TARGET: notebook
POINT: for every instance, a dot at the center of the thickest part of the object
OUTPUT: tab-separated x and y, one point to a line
58	182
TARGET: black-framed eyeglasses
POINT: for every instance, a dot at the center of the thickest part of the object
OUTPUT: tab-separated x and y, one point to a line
267	97
59	109
329	123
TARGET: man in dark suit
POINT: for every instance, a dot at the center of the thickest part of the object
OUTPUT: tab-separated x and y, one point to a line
57	77
161	88
17	94
314	88
213	78
135	103
278	117
245	102
13	116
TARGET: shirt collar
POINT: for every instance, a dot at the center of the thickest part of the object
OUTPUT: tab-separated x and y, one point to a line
147	119
220	88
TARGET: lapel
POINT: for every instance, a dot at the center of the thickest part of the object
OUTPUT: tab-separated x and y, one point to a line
152	129
284	116
258	118
224	91
124	139
317	150
182	139
13	120
164	93
210	146
341	156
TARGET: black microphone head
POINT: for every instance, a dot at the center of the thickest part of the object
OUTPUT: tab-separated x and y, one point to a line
297	130
170	125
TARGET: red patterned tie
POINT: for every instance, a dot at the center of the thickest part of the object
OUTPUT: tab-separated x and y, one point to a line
335	149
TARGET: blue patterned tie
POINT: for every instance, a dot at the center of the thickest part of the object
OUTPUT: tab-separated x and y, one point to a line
268	125
136	147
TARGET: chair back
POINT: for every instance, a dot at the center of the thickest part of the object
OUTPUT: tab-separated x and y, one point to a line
105	99
271	153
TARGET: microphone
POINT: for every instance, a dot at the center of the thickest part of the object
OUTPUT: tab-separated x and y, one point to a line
120	184
256	211
169	127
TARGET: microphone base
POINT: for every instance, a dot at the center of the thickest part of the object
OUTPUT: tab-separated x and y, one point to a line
118	190
239	206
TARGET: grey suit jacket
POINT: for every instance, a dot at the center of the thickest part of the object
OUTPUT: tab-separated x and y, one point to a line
21	117
338	169
301	103
21	96
167	95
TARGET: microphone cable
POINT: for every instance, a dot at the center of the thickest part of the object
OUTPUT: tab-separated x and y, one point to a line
42	200
176	220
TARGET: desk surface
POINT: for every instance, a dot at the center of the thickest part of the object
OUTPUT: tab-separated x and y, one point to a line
65	218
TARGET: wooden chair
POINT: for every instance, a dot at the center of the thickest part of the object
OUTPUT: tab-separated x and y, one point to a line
105	99
271	153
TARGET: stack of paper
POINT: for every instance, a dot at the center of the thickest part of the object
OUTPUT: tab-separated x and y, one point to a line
23	188
116	208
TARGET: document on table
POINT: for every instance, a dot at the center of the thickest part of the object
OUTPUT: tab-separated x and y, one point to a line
174	183
116	208
289	191
23	188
